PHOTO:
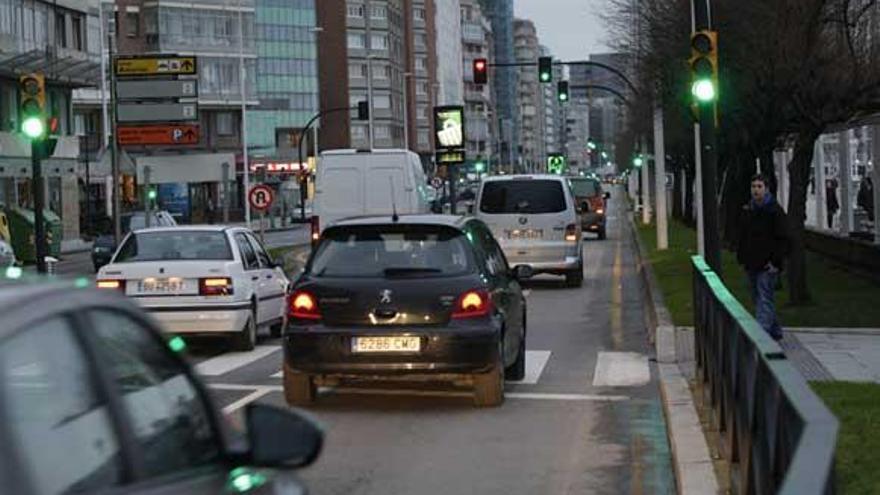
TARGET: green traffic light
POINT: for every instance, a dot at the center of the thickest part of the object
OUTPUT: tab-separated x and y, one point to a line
703	90
545	77
591	145
563	97
33	127
638	162
479	166
604	155
151	194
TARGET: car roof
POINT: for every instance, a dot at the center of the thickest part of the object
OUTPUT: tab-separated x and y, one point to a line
454	221
494	178
197	228
383	151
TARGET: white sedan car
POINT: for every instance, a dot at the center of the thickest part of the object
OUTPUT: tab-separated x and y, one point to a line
201	280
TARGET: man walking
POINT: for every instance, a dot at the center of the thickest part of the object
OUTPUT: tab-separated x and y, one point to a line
831	203
762	248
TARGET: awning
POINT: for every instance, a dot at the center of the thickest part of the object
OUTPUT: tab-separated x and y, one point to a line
62	67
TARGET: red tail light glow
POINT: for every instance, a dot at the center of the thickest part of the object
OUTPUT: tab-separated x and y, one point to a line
316	230
215	286
571	232
473	304
111	284
303	305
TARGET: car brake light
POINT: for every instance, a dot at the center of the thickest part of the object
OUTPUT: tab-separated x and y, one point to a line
571	232
600	211
111	284
473	304
316	230
215	286
304	305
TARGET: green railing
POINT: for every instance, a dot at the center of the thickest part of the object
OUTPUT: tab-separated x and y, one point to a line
777	435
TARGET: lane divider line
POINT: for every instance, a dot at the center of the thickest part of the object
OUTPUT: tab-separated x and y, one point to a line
233	360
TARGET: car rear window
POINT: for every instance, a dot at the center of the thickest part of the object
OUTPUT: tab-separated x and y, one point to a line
174	245
392	251
585	187
522	196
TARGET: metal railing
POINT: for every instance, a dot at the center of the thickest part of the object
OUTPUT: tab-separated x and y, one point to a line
777	435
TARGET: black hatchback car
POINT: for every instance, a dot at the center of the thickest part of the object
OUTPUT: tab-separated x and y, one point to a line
424	297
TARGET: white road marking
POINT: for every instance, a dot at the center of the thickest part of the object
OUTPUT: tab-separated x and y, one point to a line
247	399
621	369
535	363
234	360
567	397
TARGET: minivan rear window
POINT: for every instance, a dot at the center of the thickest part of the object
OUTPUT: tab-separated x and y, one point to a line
585	187
523	196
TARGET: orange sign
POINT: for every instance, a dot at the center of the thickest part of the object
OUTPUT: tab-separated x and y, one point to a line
134	135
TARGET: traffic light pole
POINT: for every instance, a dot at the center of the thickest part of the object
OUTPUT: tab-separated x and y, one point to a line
39	200
114	148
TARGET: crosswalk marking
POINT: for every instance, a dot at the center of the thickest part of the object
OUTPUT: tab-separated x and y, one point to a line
621	369
535	363
233	360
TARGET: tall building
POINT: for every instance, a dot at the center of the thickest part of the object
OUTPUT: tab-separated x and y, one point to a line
476	42
287	75
421	57
577	133
60	40
604	106
529	96
504	80
448	29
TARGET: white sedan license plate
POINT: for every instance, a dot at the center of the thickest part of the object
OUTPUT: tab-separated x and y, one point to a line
161	285
386	344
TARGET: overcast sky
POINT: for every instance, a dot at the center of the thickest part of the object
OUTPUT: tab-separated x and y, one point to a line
571	29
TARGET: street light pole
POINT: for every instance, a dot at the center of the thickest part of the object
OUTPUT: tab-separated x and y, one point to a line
244	135
406	76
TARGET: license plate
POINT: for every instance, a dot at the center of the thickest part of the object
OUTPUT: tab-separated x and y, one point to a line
161	285
386	344
527	234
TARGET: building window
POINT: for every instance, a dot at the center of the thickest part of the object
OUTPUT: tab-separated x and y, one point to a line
381	72
355	98
132	24
422	88
421	64
379	12
357	70
225	123
358	132
356	11
419	14
60	30
77	32
382	102
383	132
423	138
421	40
422	113
356	40
379	42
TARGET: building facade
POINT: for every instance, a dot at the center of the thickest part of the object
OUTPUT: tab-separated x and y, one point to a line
529	96
448	29
60	40
504	80
476	42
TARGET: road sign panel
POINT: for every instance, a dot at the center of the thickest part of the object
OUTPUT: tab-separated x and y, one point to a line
157	112
129	135
155	66
437	183
156	89
261	197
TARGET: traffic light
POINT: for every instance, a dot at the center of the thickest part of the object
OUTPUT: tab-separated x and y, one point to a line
591	145
479	166
638	161
481	74
363	110
562	91
704	66
151	194
545	69
32	101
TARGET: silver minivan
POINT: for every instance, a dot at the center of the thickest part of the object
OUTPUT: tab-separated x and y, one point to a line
535	221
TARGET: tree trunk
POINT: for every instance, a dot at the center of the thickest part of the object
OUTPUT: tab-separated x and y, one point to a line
799	176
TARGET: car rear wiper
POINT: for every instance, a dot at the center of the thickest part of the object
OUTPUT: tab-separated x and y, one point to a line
405	270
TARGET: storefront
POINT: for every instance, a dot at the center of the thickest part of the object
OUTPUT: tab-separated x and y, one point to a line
188	186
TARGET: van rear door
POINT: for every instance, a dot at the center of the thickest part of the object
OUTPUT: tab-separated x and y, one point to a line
340	192
378	183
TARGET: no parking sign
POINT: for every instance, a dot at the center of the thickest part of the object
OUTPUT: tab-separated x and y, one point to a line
261	197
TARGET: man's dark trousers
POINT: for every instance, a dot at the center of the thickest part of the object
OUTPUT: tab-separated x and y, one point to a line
763	284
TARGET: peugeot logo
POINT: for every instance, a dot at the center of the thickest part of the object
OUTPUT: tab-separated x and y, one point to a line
385	297
523	220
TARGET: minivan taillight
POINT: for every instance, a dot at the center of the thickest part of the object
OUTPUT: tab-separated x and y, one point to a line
316	229
111	284
473	304
221	286
303	304
571	232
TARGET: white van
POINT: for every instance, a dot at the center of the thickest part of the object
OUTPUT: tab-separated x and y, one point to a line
360	182
534	219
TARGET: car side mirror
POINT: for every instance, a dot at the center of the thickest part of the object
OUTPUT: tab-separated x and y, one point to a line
607	195
281	437
523	272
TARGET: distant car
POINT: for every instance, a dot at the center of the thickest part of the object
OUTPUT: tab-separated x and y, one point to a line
591	204
94	400
104	246
425	297
7	255
201	280
535	220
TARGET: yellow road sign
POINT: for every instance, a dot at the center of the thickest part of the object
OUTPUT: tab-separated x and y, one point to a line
157	66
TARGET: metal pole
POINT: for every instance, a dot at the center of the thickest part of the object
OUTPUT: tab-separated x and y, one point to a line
710	202
875	174
698	196
819	178
845	175
105	128
38	192
114	149
225	192
646	186
146	195
244	135
660	179
406	76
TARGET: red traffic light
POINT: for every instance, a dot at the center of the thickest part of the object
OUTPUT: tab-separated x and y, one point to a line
480	73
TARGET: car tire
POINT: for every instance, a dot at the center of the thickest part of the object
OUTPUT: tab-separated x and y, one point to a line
246	339
517	370
575	278
299	388
489	386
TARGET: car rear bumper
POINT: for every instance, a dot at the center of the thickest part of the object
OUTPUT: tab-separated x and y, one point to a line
227	318
328	352
592	222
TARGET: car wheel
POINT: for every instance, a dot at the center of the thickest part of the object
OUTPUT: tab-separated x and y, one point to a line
517	370
246	339
575	278
299	388
489	386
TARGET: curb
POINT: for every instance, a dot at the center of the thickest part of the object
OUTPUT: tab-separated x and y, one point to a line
692	462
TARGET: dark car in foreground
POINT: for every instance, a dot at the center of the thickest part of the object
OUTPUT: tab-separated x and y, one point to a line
591	203
93	399
417	297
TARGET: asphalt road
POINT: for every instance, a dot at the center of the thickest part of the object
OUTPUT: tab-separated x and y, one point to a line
587	418
80	264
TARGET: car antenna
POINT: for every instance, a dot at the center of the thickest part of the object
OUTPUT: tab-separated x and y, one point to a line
394	216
